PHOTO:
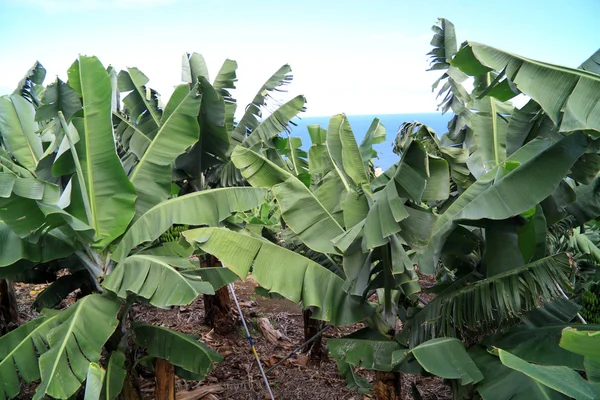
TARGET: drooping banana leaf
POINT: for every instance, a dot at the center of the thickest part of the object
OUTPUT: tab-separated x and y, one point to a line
209	207
557	89
282	271
489	125
587	205
223	83
157	279
141	102
375	135
584	342
448	359
110	195
302	211
530	175
14	248
366	348
485	304
275	123
18	129
67	341
345	153
561	379
540	344
319	161
58	96
503	383
178	130
181	350
390	213
58	290
251	117
27	86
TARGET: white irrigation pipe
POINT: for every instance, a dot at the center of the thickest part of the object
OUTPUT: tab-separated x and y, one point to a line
262	372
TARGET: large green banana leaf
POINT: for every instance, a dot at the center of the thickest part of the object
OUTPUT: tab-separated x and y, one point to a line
345	153
561	379
115	376
27	85
503	383
18	353
14	248
448	359
141	102
390	212
275	123
489	126
540	344
58	96
251	118
557	89
213	121
178	131
375	135
209	207
282	271
192	66
584	342
319	161
587	205
302	211
157	279
484	304
504	192
19	131
105	384
366	348
74	343
592	64
58	290
105	188
93	382
181	350
66	343
443	43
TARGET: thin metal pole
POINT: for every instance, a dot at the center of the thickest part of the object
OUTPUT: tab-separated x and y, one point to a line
250	339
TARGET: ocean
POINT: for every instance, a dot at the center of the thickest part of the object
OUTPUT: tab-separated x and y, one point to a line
360	124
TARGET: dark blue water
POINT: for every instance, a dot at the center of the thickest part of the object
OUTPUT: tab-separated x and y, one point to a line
360	124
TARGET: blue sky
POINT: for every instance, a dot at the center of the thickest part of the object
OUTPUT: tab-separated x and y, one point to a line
357	57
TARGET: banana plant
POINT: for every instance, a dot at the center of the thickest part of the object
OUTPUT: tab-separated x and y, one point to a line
101	224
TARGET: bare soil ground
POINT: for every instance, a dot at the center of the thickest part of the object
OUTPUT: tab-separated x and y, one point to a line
238	377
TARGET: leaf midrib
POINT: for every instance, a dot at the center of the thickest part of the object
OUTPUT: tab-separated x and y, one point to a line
65	340
158	134
26	338
163	264
143	97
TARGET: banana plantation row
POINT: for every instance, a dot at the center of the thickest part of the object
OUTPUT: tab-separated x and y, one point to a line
101	180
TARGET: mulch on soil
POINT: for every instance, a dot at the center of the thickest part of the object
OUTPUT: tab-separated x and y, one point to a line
238	377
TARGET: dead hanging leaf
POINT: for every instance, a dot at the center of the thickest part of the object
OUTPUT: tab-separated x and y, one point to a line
203	392
271	334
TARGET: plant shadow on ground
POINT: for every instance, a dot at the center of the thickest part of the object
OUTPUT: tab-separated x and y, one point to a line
238	377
